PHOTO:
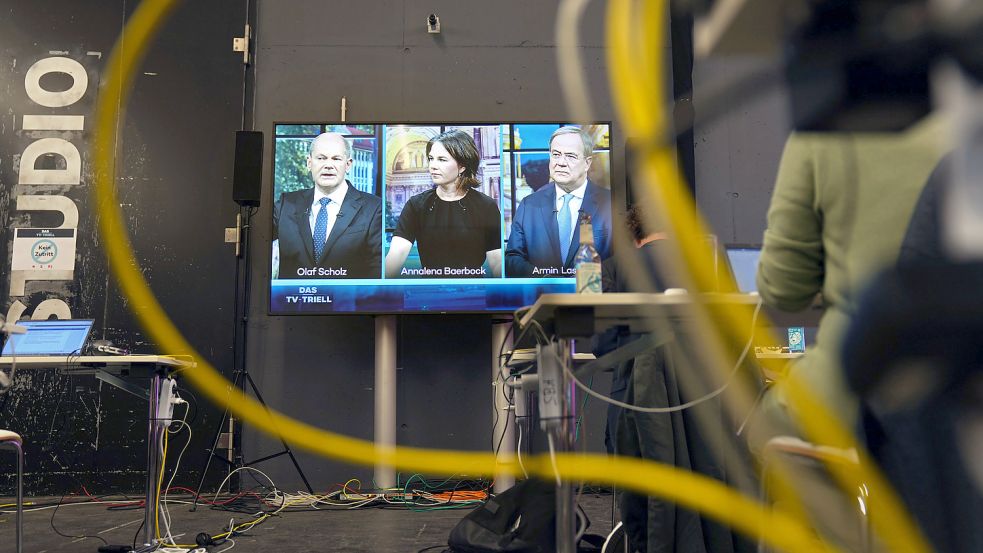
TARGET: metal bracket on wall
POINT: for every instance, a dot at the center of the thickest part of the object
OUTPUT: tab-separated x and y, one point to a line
241	44
233	235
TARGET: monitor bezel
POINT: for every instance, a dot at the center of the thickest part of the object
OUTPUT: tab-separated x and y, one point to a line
270	195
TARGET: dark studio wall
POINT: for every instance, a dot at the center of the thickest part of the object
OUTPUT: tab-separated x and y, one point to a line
174	165
492	60
738	152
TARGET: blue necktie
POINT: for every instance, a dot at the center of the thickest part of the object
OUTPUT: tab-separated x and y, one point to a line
565	226
321	228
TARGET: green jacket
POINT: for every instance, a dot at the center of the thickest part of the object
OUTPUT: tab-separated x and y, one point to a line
838	213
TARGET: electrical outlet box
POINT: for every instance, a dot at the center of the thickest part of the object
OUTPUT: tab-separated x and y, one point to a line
550	385
165	405
521	403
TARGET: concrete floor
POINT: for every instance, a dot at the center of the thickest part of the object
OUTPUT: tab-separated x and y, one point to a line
366	530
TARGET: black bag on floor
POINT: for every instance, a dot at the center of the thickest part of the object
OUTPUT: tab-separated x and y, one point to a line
521	519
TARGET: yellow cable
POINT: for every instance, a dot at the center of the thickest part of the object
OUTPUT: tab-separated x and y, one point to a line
160	482
635	115
344	489
698	492
630	88
888	515
651	49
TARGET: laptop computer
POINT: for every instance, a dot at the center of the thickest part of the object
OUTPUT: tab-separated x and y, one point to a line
743	261
51	337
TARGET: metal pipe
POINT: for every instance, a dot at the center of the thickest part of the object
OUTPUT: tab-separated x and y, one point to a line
153	461
20	496
385	394
503	416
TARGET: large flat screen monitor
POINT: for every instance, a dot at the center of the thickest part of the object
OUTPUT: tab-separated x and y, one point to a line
432	217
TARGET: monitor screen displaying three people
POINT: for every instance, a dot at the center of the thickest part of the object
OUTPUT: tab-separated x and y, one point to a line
404	218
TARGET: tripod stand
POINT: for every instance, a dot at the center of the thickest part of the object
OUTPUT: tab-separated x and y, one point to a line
240	373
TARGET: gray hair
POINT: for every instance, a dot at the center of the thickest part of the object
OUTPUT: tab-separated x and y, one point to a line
584	137
348	144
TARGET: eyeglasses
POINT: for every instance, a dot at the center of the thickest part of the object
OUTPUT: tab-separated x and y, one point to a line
571	158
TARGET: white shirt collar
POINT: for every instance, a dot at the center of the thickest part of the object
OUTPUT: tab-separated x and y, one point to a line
337	196
577	192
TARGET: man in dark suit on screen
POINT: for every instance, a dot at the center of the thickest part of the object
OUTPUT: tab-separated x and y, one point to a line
331	230
545	231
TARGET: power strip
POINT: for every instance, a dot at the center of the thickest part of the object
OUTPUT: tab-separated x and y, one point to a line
168	399
550	386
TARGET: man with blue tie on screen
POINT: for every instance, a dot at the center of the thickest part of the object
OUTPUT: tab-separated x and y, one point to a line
545	234
331	230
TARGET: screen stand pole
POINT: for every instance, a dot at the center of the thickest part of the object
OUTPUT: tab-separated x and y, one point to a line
385	394
503	416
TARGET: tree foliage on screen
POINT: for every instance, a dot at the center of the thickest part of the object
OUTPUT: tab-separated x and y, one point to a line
290	171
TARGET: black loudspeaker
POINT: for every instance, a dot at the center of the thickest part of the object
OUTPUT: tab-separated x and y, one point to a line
247	180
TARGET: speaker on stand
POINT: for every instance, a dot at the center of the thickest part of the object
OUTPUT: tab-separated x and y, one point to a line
247	179
247	184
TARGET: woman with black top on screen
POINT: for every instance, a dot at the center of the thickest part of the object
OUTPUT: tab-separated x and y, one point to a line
457	229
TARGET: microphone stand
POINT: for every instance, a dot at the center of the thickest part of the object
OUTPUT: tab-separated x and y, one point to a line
240	373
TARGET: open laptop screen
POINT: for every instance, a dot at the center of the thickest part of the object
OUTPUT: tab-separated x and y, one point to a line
744	264
49	337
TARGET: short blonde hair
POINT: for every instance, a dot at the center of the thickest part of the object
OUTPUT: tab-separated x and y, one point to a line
348	144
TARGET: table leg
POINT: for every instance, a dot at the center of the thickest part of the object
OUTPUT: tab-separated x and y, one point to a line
153	461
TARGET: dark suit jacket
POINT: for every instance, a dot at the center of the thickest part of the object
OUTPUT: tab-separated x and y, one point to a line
355	242
923	240
535	239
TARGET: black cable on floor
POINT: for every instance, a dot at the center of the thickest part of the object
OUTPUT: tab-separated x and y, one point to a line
52	522
137	533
